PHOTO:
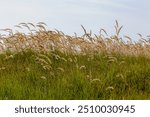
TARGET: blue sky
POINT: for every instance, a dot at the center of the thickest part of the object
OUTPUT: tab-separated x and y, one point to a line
68	15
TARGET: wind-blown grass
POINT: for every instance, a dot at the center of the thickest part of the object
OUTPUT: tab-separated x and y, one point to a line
51	65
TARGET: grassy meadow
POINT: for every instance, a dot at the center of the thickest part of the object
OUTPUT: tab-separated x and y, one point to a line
43	64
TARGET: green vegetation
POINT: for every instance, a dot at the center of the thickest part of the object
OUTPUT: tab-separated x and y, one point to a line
44	64
55	75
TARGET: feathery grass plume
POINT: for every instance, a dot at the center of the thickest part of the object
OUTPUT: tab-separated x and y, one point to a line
129	41
103	30
117	29
110	88
31	24
46	58
41	39
44	61
60	69
18	26
95	80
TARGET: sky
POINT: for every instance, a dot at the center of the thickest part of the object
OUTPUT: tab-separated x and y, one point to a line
69	15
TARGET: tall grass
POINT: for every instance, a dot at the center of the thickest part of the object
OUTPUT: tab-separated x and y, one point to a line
38	38
43	64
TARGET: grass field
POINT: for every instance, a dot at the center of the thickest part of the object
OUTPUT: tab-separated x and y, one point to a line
51	65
